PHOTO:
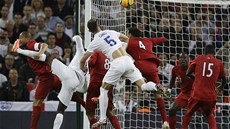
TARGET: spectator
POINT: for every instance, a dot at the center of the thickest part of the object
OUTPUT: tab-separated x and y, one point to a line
41	28
61	10
4	43
14	89
4	16
50	20
164	69
15	6
18	26
67	57
61	37
69	26
27	18
51	41
2	79
9	64
10	27
37	8
55	54
32	30
26	74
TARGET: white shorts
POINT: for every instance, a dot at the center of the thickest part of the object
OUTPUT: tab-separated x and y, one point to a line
122	67
70	80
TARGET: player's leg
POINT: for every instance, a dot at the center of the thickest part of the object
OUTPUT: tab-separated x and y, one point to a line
193	105
207	111
64	97
31	54
172	115
90	106
42	90
112	118
75	62
78	99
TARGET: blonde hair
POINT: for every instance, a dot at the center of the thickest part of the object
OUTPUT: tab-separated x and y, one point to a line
41	3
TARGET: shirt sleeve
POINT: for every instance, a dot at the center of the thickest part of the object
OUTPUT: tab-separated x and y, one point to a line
159	40
92	47
192	66
33	46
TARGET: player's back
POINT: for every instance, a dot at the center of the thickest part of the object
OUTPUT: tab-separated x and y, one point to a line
98	65
141	48
207	70
40	68
106	41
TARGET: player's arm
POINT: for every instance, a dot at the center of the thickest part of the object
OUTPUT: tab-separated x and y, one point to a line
124	38
43	48
84	59
158	40
191	69
92	59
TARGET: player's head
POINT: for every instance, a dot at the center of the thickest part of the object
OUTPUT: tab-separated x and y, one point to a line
93	26
134	32
209	49
24	37
183	59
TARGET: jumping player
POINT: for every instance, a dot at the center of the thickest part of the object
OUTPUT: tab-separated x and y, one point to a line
185	84
109	43
98	65
147	62
207	69
47	80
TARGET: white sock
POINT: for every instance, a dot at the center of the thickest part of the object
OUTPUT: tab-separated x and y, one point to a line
149	86
103	102
31	54
58	121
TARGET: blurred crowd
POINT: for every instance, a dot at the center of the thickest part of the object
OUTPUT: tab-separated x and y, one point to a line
48	21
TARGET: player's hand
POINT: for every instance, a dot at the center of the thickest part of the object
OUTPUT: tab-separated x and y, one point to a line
37	56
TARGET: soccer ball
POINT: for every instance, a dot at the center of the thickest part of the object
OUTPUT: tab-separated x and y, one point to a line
126	3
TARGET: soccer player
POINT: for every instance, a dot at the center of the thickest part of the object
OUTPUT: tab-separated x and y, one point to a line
98	65
110	43
185	84
147	62
207	69
47	80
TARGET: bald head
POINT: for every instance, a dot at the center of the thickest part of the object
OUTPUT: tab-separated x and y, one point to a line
24	37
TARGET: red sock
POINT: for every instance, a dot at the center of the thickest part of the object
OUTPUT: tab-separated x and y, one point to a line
114	121
35	117
161	108
92	121
186	120
212	122
79	100
172	122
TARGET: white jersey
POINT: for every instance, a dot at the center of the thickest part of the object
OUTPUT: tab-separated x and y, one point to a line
106	41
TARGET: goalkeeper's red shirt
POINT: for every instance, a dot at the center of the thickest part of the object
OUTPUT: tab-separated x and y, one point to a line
207	69
184	82
98	65
141	48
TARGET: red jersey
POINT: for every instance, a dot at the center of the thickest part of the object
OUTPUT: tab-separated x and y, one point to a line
97	70
141	48
42	69
185	81
207	69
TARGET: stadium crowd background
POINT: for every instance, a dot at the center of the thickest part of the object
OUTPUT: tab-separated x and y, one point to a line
188	28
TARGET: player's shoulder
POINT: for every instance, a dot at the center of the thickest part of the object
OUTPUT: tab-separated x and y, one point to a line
175	68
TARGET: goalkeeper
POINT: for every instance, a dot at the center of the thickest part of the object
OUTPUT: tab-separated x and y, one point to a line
147	62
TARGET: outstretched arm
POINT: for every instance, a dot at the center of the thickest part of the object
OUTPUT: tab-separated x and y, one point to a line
43	48
124	38
83	60
158	40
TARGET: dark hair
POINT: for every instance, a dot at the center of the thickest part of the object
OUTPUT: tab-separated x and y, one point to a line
135	32
50	33
32	24
209	49
92	25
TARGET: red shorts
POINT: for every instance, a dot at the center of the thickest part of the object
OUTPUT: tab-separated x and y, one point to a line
148	70
46	85
182	99
94	91
206	107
